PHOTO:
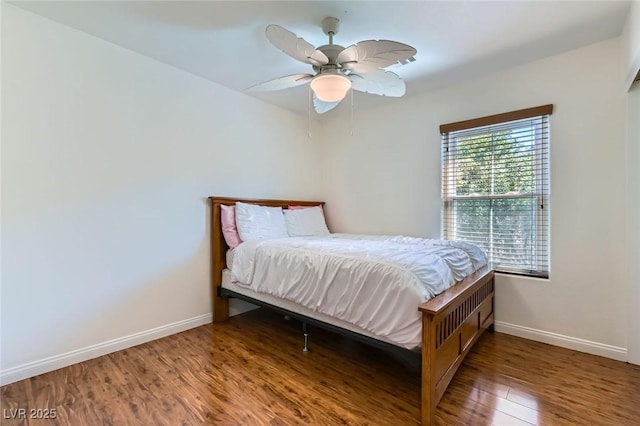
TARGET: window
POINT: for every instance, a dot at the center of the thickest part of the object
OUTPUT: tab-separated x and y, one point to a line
495	187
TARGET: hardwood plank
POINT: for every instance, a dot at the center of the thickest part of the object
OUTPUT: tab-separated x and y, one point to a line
502	419
251	370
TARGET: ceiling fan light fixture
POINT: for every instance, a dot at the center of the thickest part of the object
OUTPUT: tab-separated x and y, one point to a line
330	87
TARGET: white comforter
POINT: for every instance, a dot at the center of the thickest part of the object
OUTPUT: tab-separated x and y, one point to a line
374	282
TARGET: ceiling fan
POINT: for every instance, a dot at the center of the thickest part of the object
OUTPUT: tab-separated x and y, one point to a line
338	69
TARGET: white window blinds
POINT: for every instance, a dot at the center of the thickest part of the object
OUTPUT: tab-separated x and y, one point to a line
495	188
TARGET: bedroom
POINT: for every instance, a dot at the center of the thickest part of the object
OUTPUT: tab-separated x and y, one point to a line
107	154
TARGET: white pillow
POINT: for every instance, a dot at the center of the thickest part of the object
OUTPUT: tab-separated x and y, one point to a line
305	222
260	222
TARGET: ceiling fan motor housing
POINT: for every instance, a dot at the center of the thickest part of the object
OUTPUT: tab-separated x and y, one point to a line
331	51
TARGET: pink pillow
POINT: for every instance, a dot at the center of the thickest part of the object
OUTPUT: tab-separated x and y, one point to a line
307	207
229	230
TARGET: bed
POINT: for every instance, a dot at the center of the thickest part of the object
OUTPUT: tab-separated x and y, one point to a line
451	322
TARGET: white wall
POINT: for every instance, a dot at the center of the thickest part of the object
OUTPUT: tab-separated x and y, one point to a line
386	178
633	220
107	157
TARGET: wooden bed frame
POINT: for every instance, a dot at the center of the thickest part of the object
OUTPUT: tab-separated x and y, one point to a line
451	322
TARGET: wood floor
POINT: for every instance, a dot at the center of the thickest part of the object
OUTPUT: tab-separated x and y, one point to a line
251	371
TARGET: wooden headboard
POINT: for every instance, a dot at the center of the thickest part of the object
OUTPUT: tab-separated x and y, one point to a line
219	246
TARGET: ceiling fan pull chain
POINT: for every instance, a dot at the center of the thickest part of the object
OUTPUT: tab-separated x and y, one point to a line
309	113
352	112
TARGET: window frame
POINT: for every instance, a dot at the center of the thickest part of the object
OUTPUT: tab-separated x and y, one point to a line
541	221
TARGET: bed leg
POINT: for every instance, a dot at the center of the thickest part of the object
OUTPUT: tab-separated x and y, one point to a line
306	337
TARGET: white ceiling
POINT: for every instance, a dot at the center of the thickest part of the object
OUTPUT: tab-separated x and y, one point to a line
224	41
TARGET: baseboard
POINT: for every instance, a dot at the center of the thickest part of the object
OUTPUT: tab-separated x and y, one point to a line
568	342
42	366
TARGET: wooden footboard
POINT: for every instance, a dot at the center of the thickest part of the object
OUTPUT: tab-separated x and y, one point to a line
451	324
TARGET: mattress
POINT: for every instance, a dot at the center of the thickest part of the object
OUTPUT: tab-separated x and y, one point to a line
371	283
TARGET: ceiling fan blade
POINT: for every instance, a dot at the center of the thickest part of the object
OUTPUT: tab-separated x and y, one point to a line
379	82
371	55
321	106
294	46
282	83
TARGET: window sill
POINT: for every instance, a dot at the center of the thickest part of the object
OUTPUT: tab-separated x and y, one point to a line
523	275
